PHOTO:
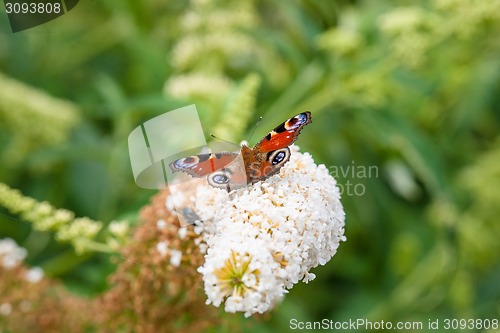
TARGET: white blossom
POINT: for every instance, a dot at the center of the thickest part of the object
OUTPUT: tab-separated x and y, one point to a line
182	232
10	253
266	237
161	224
162	248
34	275
175	257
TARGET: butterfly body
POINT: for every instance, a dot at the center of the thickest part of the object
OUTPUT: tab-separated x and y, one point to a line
231	170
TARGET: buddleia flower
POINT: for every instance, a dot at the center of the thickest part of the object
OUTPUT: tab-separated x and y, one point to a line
265	238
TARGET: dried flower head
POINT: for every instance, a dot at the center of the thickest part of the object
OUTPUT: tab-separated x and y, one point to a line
156	287
31	302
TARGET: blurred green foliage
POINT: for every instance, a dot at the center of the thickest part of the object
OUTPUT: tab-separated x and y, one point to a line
411	88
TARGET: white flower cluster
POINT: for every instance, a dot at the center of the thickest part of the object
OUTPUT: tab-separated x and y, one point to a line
34	275
164	250
11	254
266	237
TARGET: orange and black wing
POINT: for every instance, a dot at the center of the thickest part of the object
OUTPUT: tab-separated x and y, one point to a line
203	164
283	135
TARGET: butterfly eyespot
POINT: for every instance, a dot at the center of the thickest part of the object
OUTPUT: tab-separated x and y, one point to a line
187	162
220	179
278	158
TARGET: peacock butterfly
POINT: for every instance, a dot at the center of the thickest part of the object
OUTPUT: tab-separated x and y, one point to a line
230	171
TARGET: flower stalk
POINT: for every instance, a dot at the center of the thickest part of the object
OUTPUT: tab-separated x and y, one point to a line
81	233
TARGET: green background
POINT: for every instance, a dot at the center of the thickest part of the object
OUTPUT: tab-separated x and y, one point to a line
409	89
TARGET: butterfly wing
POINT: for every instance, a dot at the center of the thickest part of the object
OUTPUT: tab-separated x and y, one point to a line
227	171
272	152
202	164
230	177
265	165
283	135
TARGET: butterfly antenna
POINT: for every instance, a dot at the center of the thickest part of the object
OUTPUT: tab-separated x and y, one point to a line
254	128
215	137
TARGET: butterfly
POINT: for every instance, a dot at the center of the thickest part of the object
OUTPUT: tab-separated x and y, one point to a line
231	171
